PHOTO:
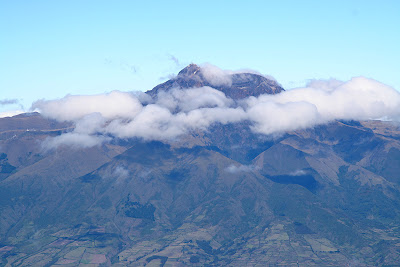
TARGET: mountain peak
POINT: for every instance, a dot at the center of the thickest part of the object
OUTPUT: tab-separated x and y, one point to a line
233	85
189	70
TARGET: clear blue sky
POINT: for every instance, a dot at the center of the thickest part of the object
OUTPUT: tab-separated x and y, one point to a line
52	48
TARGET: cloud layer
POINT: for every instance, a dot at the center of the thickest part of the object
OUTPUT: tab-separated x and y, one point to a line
322	102
124	115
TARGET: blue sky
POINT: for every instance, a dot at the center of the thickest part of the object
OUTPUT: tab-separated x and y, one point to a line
52	48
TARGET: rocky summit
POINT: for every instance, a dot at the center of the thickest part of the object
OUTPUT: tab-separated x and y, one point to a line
233	85
325	196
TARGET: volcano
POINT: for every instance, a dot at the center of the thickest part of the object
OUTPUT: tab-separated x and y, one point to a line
326	196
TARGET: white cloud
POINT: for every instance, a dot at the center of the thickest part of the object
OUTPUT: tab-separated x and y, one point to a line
180	111
241	168
158	123
358	99
190	99
118	173
152	123
298	173
90	124
219	77
74	140
6	101
75	107
121	172
271	117
216	76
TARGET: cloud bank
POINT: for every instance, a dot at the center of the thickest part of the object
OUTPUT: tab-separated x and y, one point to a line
98	118
322	102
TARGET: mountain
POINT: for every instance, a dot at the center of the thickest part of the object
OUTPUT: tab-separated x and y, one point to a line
327	195
235	86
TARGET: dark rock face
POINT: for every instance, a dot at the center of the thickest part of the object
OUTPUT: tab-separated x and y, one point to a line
190	71
242	84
